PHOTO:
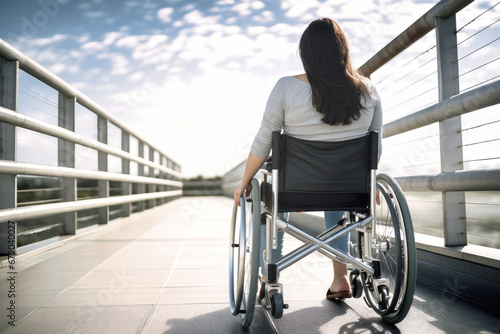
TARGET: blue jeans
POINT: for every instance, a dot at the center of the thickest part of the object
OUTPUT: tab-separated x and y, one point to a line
331	219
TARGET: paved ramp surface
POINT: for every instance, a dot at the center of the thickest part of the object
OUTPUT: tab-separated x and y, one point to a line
165	271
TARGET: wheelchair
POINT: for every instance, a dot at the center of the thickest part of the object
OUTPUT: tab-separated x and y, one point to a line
325	176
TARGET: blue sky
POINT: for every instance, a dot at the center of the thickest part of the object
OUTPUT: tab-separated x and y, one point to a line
191	76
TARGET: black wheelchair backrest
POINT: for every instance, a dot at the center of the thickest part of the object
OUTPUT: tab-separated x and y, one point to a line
317	175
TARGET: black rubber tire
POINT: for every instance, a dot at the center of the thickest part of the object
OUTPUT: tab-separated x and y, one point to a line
395	248
277	305
251	277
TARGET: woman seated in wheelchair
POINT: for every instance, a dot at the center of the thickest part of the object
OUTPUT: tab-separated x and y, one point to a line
331	101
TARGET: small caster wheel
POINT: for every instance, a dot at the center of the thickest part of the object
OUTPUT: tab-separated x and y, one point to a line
384	296
356	286
277	305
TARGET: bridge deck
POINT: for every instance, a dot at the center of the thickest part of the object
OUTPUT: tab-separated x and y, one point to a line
165	271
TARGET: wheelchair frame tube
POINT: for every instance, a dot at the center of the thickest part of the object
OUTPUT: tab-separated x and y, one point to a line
367	251
374	141
319	245
274	230
373	194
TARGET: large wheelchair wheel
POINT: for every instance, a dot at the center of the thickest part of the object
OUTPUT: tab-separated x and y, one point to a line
244	256
393	244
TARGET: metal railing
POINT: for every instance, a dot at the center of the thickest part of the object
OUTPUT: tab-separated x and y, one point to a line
452	180
445	110
161	183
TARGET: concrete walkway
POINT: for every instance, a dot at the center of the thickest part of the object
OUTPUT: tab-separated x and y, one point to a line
160	271
165	271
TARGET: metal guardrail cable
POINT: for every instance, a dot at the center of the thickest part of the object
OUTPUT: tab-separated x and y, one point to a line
42	98
405	75
481	125
477	32
413	97
484	159
486	204
469	71
37	143
480	142
424	106
406	64
36	108
415	82
479	84
83	118
482	47
474	19
413	140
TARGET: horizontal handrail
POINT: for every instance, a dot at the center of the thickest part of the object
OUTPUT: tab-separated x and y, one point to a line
413	33
22	168
44	75
37	211
31	123
463	180
472	100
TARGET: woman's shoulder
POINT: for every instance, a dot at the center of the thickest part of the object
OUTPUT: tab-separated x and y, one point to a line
292	80
372	97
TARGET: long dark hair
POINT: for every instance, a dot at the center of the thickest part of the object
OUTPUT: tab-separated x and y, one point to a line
336	86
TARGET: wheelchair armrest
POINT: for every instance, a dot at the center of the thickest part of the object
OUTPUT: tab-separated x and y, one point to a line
268	164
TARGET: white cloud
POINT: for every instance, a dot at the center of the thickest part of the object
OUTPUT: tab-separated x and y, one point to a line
243	9
154	41
265	16
257	5
58	68
256	30
120	64
284	29
80	85
225	2
165	14
130	41
111	37
197	18
246	8
299	8
44	42
93	46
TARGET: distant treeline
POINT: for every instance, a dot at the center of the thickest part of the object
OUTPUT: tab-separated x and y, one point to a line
202	186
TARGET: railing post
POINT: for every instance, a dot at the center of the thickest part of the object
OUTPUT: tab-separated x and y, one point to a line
140	170
455	228
126	186
163	162
102	165
9	79
151	187
66	158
